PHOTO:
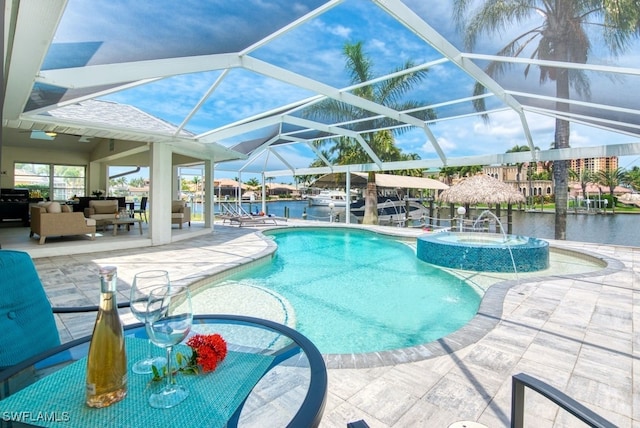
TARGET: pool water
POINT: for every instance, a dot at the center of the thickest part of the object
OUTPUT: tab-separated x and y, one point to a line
355	291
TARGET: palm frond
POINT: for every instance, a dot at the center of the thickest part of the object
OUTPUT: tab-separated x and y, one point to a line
392	90
496	16
358	64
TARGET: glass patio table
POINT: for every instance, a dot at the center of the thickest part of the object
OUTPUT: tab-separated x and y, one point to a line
272	376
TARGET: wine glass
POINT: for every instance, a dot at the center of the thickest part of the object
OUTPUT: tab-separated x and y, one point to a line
169	319
143	283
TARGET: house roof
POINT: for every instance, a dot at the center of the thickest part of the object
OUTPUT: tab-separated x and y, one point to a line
220	80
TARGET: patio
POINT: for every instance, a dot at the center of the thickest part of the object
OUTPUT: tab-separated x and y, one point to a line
574	331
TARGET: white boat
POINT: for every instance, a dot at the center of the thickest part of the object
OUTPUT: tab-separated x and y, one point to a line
325	197
392	210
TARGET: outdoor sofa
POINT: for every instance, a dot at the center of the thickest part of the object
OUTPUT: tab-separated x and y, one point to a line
53	219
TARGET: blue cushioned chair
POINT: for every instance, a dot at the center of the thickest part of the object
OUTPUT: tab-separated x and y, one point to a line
26	318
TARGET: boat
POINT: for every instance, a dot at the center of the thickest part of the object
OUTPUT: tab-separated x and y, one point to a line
326	197
392	209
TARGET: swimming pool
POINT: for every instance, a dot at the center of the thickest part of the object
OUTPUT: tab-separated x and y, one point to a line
355	291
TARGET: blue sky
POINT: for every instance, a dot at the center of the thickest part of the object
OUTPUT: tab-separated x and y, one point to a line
313	49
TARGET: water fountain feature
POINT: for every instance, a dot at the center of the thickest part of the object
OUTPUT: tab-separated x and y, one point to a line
485	252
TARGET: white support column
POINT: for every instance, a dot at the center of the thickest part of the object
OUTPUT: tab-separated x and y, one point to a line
264	195
239	193
176	189
347	211
160	194
207	210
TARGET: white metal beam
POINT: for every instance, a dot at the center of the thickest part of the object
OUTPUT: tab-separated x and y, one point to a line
304	82
258	150
627	149
34	28
90	96
557	64
591	121
293	25
123	72
576	102
203	99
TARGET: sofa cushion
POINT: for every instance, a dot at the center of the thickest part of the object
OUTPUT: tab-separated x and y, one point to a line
66	209
90	221
102	216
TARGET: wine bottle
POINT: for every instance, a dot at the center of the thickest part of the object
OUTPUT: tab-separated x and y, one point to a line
107	360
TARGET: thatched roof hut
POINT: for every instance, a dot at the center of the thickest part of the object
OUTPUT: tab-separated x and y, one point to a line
481	189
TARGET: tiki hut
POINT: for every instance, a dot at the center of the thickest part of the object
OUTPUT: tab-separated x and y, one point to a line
482	189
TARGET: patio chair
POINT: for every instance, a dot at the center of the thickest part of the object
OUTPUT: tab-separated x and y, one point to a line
26	318
142	211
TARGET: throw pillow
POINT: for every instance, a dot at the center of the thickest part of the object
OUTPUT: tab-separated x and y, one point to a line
54	207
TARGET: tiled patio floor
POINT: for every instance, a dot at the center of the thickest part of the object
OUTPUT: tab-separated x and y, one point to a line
578	332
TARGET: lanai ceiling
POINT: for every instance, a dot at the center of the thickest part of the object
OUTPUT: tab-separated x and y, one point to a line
234	80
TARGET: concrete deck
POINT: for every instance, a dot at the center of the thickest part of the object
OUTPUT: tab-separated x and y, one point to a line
578	332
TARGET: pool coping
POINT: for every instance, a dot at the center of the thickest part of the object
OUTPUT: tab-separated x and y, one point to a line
489	313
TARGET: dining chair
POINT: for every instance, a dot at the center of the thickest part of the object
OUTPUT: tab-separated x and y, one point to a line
142	211
26	316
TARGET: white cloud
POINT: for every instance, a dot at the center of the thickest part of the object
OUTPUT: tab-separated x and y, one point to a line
445	144
339	30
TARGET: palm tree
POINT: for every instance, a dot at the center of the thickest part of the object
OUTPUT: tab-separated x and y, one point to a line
611	178
520	165
448	172
469	170
632	178
584	177
390	93
561	36
137	182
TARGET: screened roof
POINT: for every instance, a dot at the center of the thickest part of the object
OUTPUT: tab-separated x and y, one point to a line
235	81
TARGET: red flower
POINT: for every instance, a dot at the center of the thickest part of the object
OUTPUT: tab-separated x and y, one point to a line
208	350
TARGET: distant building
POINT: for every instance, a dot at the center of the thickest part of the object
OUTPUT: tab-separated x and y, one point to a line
508	174
594	165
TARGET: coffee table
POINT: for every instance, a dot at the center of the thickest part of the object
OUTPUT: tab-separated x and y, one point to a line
127	220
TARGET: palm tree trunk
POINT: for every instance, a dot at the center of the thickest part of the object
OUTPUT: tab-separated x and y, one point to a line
371	201
560	170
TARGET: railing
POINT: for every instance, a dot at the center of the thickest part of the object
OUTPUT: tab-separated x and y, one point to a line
520	381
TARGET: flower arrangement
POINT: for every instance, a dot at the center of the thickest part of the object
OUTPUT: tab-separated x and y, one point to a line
97	193
207	351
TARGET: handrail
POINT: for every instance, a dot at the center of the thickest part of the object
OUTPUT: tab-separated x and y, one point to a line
522	380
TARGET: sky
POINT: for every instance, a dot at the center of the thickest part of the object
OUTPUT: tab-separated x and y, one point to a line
314	49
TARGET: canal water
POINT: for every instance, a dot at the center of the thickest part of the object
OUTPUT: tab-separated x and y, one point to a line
618	229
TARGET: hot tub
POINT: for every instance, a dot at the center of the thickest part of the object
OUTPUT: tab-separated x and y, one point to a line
486	252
